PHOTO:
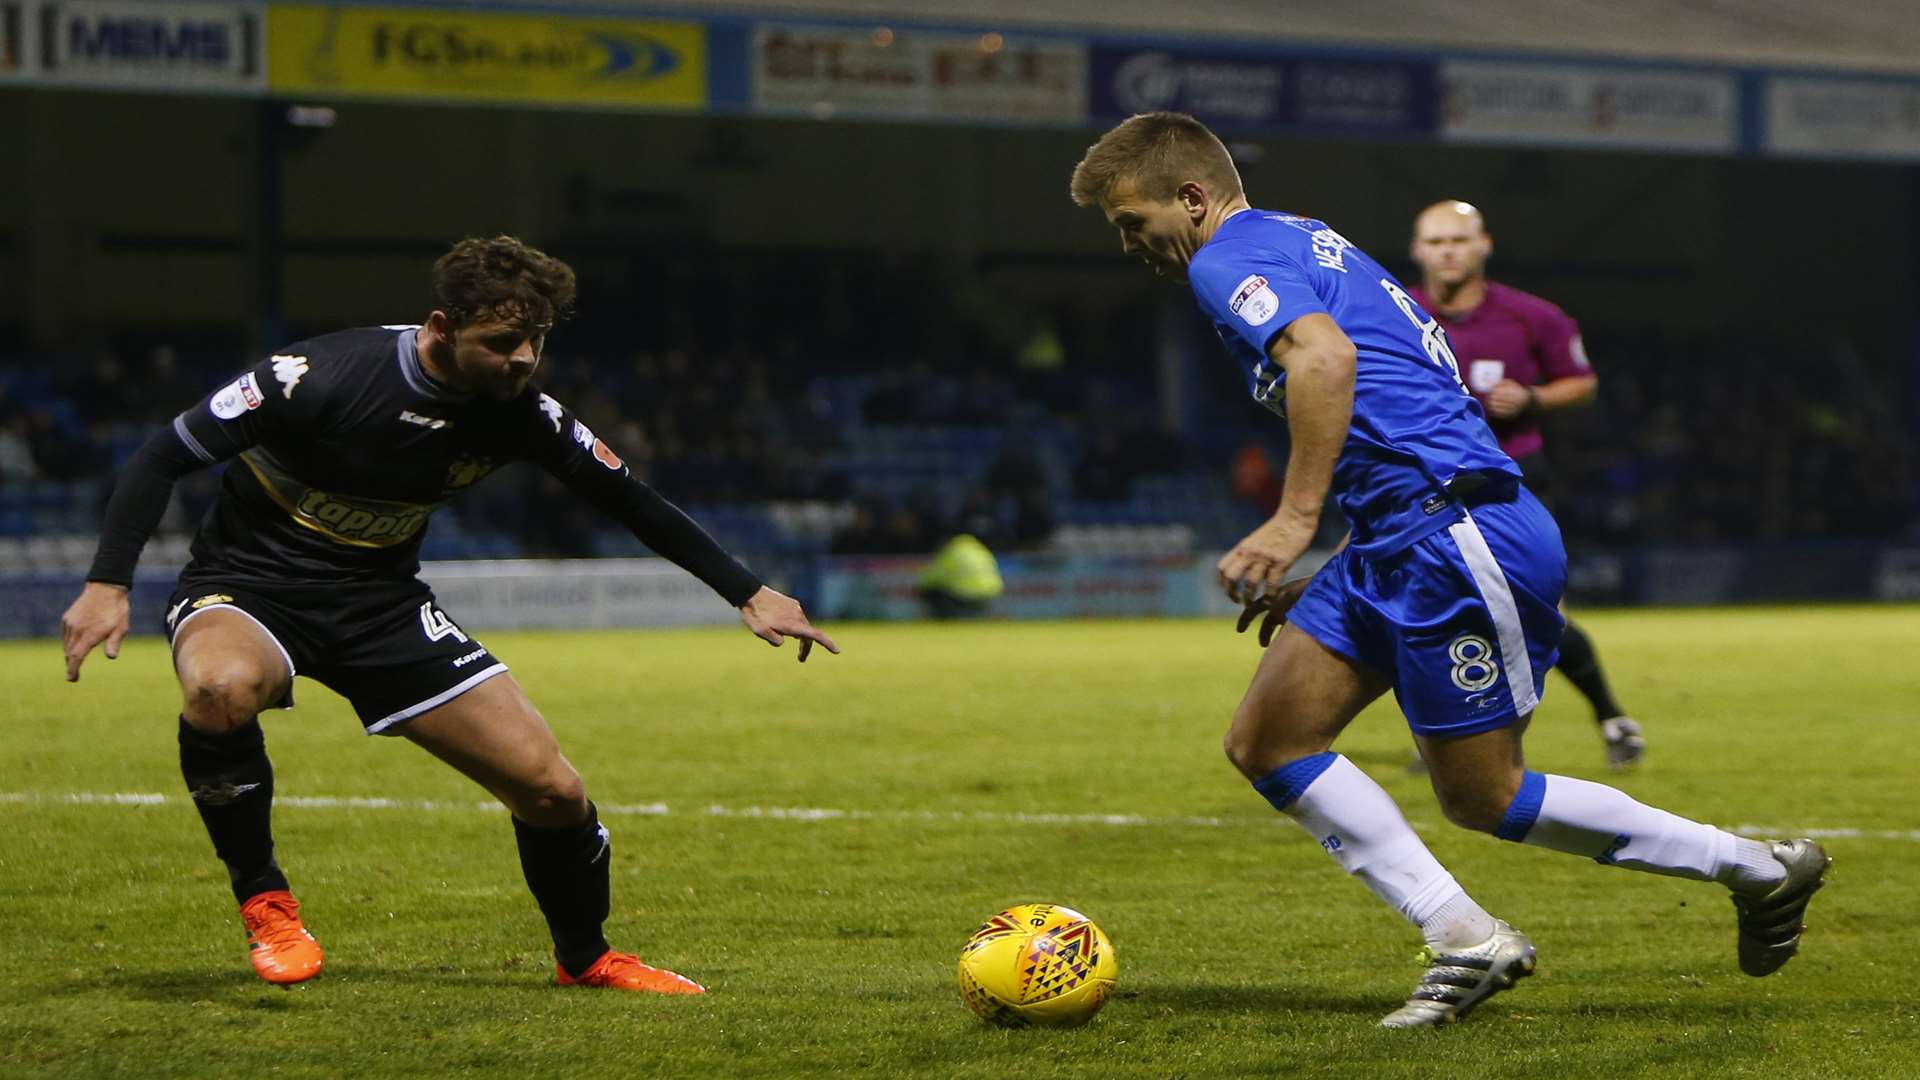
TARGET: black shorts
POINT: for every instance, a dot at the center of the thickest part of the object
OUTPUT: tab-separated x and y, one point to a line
384	646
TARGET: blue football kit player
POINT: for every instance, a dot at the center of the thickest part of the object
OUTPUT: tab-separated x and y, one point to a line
1445	590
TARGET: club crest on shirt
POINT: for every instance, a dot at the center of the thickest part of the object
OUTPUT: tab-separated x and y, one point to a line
467	470
1253	301
602	453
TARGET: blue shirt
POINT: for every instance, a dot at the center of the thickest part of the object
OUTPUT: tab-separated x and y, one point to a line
1415	428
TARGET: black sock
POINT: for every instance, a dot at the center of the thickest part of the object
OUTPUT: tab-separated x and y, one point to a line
1580	663
231	782
567	869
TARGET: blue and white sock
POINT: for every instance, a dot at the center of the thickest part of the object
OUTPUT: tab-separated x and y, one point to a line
1357	823
1609	826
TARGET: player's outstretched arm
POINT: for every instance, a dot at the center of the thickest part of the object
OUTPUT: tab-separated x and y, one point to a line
223	424
775	616
571	451
100	615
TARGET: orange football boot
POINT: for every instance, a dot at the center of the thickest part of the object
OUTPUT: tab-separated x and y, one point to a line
278	944
624	971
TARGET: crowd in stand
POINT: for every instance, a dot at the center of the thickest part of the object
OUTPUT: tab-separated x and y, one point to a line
1699	452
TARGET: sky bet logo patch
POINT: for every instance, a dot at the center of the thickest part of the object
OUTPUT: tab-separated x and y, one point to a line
241	395
1253	301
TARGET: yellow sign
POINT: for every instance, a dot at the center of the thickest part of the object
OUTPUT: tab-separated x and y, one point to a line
461	56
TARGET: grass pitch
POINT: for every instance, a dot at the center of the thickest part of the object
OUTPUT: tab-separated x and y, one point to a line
814	843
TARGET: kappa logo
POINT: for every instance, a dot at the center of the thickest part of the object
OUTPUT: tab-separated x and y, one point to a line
1254	301
553	410
431	423
174	615
470	658
289	370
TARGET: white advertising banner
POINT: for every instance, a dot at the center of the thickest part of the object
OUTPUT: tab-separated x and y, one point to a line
1873	118
128	44
1581	105
988	77
573	594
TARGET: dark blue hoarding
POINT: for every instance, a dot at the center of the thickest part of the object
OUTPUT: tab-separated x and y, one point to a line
1261	91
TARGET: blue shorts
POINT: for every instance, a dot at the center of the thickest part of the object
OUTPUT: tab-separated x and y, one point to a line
1465	621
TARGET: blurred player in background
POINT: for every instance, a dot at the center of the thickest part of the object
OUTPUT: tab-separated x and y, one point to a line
1445	590
1520	357
307	564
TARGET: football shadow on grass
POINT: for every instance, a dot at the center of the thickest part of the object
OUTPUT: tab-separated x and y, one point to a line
1204	997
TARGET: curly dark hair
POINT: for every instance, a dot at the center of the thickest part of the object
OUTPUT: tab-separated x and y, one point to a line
505	279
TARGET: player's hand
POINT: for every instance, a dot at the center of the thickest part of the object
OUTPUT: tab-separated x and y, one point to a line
1275	606
101	614
1257	565
1508	399
774	617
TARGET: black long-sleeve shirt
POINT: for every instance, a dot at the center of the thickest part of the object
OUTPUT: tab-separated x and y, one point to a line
346	446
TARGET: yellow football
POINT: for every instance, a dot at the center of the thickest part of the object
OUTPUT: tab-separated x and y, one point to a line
1037	964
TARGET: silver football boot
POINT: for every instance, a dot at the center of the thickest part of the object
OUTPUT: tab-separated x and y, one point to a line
1626	745
1458	979
1770	925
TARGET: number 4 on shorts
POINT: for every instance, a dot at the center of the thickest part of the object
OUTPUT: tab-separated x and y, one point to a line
437	625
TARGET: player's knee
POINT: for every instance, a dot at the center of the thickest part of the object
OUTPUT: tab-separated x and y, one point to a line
1250	744
558	797
1241	748
1479	809
223	693
1265	735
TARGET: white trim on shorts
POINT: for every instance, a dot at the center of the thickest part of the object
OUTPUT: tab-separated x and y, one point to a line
1506	616
189	617
437	700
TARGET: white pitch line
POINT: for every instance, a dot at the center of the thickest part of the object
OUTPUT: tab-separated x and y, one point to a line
819	814
769	813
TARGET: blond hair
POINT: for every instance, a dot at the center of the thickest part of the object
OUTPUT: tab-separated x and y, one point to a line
1158	151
